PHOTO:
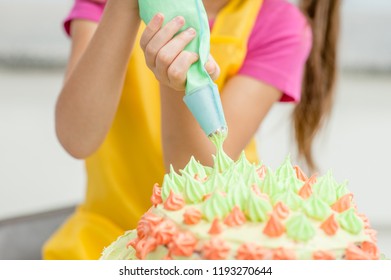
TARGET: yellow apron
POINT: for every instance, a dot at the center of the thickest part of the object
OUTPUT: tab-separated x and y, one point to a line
122	172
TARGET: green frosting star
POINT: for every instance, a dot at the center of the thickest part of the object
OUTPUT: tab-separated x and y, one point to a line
257	208
326	187
350	222
299	228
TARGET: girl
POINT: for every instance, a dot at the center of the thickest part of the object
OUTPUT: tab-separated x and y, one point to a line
121	104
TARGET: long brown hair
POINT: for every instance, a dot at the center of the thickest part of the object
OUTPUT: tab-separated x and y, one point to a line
320	74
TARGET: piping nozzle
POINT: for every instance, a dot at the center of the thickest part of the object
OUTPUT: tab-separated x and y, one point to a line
205	105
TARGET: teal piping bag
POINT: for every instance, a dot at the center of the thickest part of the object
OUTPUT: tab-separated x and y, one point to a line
201	95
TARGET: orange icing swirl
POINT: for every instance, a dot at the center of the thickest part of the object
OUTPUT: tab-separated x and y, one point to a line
164	232
283	254
174	202
343	204
235	218
215	249
215	228
145	246
330	225
371	250
183	244
274	227
306	190
192	216
146	223
300	174
323	255
199	179
261	171
156	197
353	252
251	251
281	210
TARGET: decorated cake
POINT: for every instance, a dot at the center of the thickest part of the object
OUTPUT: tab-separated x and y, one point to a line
245	211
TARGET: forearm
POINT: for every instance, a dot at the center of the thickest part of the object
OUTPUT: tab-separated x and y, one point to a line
89	98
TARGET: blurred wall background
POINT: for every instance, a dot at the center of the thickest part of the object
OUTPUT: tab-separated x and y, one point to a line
37	176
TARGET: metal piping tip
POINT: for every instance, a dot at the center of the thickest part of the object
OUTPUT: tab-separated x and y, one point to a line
222	131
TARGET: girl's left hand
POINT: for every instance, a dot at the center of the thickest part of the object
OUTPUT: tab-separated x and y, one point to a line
165	55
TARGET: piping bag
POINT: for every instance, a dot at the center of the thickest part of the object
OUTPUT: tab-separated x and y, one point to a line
201	94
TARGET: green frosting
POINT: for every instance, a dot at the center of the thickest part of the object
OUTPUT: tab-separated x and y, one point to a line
299	228
194	190
270	185
293	183
342	190
325	188
253	178
238	195
168	185
215	207
215	182
222	161
291	199
243	166
316	208
257	208
285	170
194	168
178	179
350	222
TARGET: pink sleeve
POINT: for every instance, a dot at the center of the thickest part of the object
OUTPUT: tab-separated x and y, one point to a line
84	9
278	48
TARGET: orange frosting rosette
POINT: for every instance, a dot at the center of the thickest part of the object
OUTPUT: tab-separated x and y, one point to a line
146	223
323	255
235	218
164	232
183	244
156	197
281	210
261	171
251	251
174	202
300	174
283	254
343	204
192	216
216	227
274	227
330	225
215	249
145	246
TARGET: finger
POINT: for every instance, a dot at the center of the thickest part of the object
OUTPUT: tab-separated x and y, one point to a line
178	69
164	35
152	28
212	68
172	49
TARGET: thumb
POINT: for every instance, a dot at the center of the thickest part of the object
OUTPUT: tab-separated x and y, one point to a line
212	68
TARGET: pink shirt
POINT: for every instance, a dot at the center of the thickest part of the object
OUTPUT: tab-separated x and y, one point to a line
277	48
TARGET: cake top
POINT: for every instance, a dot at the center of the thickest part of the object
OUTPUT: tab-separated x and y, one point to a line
242	210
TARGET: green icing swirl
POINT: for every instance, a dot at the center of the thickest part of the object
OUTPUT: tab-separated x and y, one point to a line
238	195
285	170
299	228
215	182
194	190
253	177
193	168
169	184
350	222
289	198
176	178
221	161
342	190
215	207
316	208
270	185
257	208
243	166
293	183
325	188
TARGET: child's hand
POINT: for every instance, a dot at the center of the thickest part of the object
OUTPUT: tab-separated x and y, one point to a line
165	55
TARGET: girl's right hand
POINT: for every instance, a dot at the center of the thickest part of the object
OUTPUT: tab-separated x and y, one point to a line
165	54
